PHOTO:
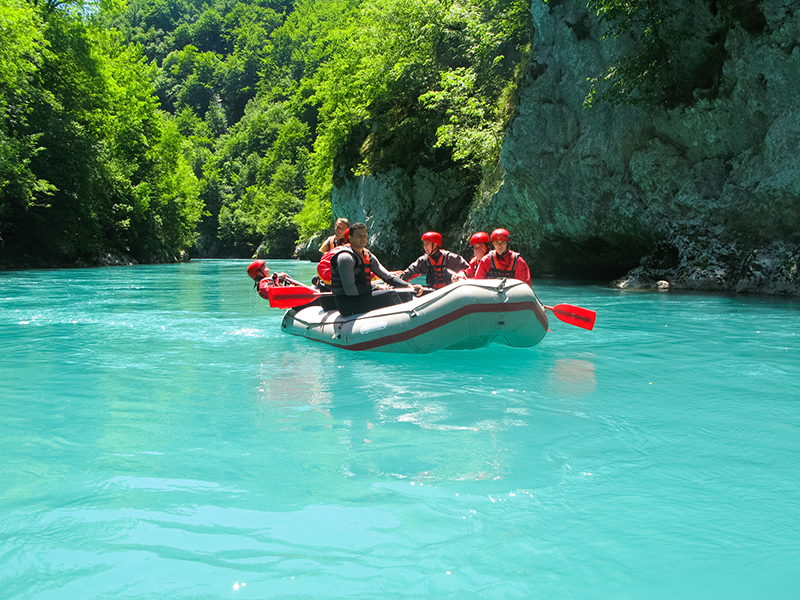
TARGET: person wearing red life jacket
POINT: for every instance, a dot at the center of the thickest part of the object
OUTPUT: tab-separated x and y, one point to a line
436	264
352	268
258	272
322	280
480	248
502	262
339	237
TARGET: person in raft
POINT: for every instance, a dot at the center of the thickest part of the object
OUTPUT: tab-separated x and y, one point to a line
352	267
436	264
502	262
339	237
259	273
480	248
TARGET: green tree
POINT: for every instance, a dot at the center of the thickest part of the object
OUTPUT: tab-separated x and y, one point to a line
259	108
105	166
258	174
23	41
417	82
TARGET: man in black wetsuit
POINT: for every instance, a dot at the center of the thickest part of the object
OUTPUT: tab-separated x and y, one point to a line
352	268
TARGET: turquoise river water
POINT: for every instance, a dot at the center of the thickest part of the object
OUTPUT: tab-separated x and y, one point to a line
162	438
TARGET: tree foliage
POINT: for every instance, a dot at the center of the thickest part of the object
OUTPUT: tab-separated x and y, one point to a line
312	86
88	166
220	126
418	82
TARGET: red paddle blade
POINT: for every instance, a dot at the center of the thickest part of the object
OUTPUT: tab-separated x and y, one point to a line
290	296
574	315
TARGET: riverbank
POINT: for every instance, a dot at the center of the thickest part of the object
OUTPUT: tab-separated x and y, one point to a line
711	265
27	261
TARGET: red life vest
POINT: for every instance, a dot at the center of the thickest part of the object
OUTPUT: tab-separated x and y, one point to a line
472	269
263	286
273	280
324	271
324	266
437	276
334	242
497	272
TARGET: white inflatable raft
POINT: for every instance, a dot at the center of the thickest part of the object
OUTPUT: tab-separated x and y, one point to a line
464	315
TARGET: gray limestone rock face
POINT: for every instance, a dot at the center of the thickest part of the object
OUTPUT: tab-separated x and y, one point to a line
398	207
705	195
715	183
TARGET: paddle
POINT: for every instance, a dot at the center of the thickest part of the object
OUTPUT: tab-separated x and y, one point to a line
574	315
284	277
291	296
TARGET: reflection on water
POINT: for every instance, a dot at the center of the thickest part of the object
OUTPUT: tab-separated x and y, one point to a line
405	417
292	378
574	377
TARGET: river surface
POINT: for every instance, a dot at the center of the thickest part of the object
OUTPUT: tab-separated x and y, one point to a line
162	438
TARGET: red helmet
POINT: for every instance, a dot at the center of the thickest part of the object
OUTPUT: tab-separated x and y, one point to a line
258	270
479	238
433	237
500	235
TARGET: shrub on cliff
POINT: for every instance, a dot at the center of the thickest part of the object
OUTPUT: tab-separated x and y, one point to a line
415	83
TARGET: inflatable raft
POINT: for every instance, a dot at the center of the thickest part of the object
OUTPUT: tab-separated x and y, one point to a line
465	315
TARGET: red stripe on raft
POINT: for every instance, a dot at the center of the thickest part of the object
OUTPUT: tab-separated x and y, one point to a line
444	320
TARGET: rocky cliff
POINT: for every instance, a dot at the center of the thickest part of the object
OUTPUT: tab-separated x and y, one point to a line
705	195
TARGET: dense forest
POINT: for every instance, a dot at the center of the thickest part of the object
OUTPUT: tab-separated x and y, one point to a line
159	129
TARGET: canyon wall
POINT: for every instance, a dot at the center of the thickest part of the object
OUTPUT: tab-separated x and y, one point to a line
704	196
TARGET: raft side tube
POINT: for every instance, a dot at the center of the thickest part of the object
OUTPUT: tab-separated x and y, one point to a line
464	315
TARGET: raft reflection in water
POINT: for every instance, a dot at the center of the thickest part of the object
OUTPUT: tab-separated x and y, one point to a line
574	377
360	425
